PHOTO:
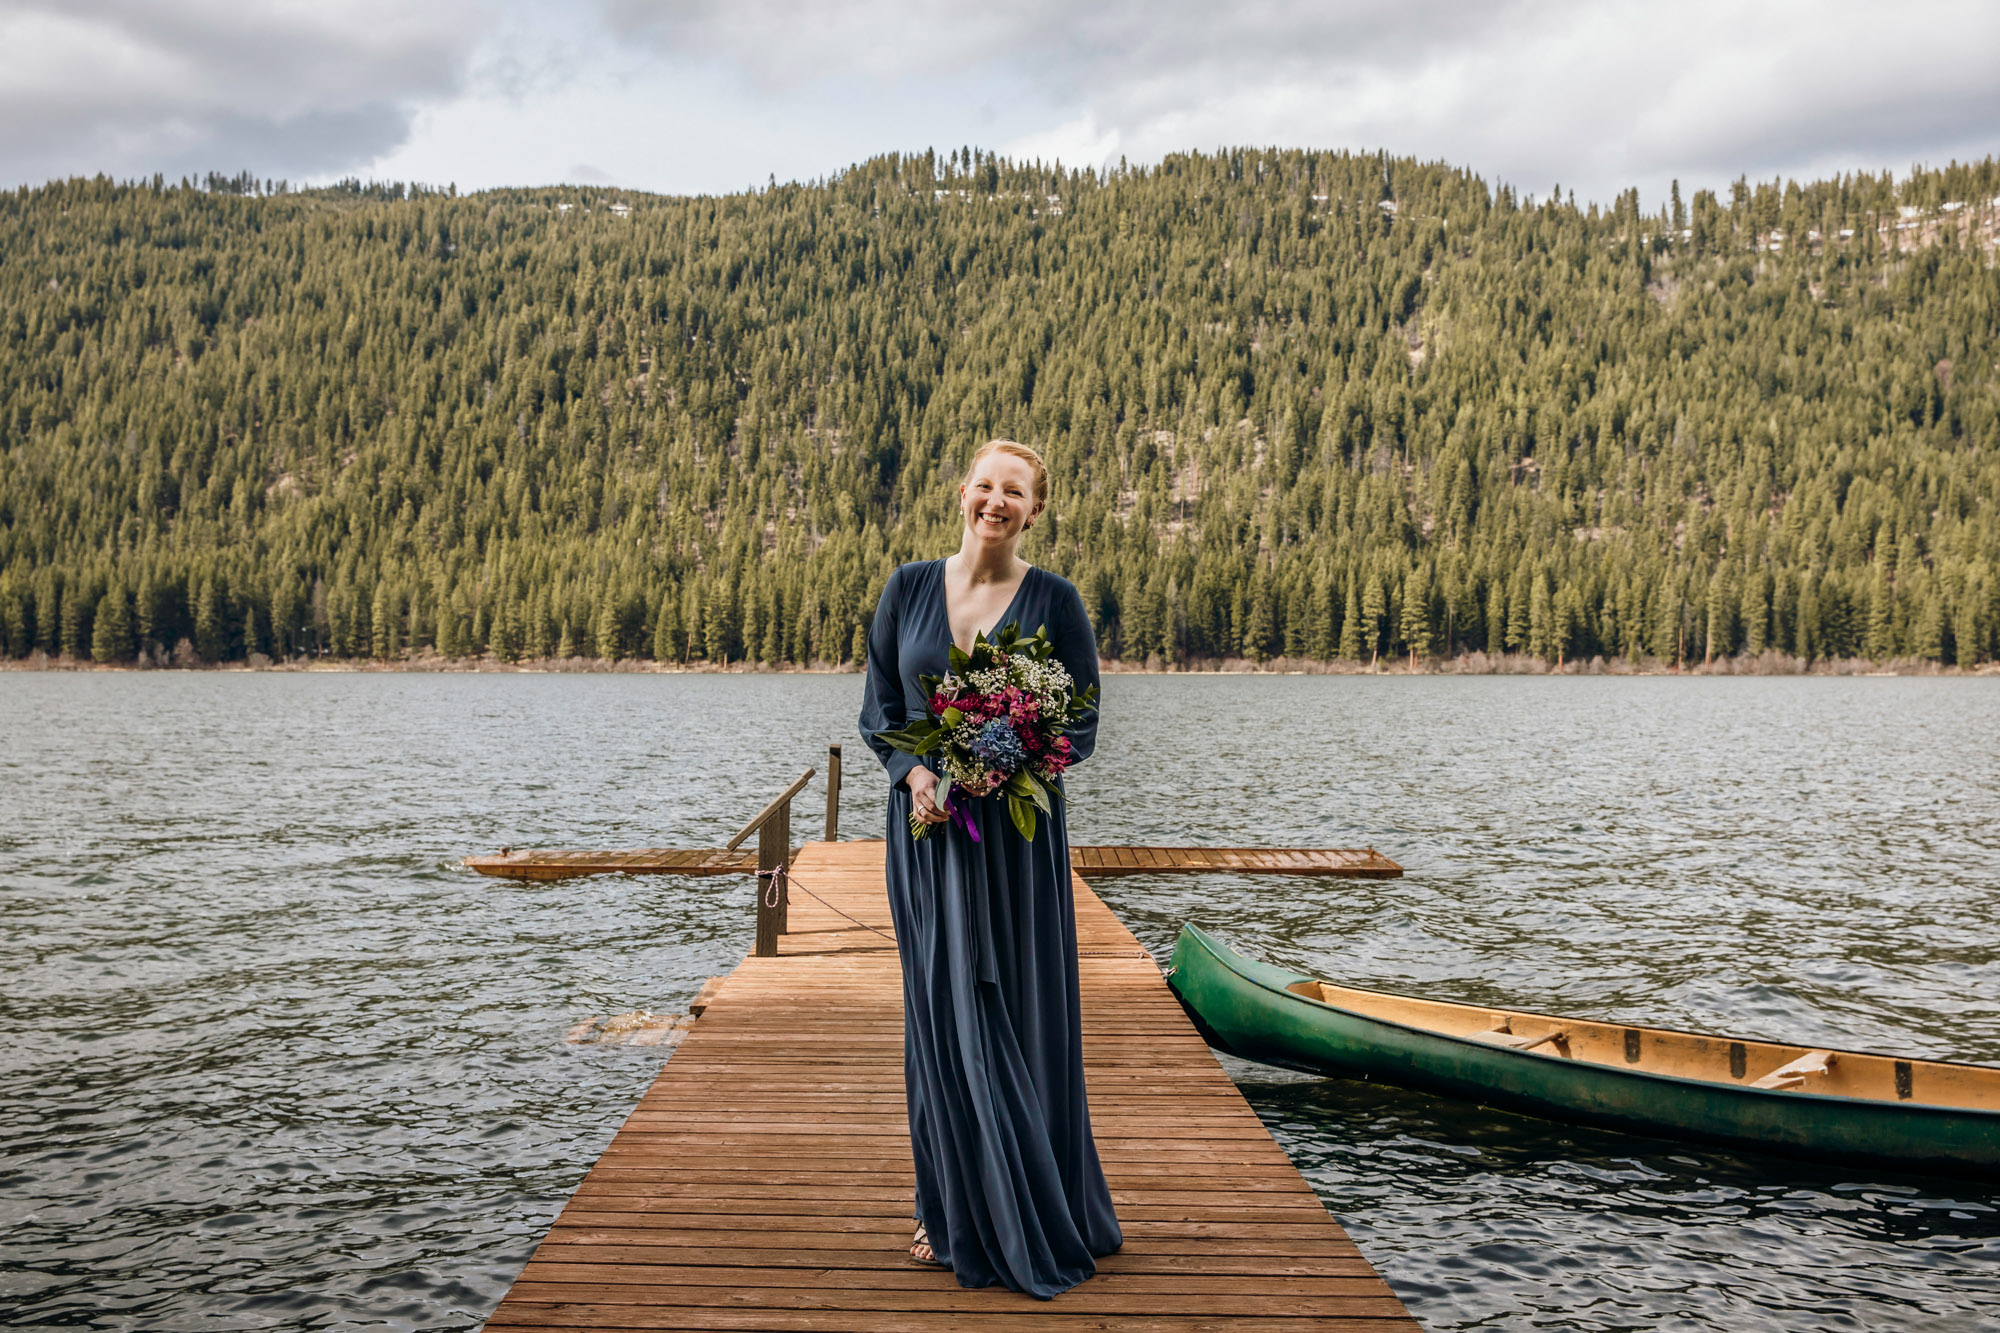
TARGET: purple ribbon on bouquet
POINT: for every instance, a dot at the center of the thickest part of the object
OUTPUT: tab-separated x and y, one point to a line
961	816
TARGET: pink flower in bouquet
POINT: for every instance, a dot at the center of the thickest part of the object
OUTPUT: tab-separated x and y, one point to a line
996	723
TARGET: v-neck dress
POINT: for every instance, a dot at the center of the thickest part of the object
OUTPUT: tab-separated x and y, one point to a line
1008	1180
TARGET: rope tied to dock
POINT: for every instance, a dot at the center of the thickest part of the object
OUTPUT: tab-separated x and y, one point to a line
782	871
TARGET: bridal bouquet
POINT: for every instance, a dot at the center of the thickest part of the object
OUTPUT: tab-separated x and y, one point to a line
998	717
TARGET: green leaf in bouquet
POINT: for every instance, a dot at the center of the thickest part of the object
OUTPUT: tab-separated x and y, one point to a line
936	737
1023	813
1026	786
910	738
943	790
952	717
960	661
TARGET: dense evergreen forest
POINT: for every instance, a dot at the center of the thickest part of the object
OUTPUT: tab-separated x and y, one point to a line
1313	405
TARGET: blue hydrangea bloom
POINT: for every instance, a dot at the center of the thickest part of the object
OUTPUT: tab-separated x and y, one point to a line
996	746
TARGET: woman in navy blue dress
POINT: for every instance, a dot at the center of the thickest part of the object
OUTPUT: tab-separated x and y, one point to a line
1009	1189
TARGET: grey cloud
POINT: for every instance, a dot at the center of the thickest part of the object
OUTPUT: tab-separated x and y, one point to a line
1599	95
311	145
128	88
1059	45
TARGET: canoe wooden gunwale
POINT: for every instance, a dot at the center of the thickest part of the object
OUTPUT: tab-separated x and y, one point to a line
1250	1009
1741	1056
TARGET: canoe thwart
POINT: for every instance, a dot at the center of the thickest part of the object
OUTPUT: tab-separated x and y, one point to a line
1519	1042
1793	1075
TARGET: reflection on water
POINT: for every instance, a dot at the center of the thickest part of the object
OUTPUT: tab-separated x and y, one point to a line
1501	1221
273	1060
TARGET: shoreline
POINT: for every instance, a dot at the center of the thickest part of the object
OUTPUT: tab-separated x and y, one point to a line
1470	664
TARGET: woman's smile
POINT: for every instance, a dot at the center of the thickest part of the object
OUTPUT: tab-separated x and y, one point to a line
997	515
998	499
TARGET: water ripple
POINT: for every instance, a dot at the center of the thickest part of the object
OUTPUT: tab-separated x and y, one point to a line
275	1061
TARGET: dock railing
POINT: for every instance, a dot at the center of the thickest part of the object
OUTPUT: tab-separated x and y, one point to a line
832	793
773	827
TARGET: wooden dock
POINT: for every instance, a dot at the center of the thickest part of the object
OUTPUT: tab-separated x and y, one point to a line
1090	862
764	1181
507	863
1342	862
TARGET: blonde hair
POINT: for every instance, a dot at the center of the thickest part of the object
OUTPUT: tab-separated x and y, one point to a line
1018	450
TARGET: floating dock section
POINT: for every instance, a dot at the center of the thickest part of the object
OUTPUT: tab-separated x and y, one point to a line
1090	862
764	1182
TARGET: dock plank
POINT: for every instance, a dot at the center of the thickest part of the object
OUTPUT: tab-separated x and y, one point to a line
763	1181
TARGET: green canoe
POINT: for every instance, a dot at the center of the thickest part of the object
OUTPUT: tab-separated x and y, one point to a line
1827	1105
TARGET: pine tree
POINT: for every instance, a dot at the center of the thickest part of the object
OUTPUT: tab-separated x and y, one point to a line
15	639
111	628
1879	642
386	641
1756	614
1966	634
76	611
1350	623
667	627
1541	619
211	635
1665	623
1720	639
1261	626
1520	624
1373	607
1568	622
1414	626
607	635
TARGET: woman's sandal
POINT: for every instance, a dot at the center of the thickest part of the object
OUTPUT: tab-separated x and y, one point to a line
923	1240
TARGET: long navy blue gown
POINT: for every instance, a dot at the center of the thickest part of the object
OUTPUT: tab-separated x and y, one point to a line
1008	1181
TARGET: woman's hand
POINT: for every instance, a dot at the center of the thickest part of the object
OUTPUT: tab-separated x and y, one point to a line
923	795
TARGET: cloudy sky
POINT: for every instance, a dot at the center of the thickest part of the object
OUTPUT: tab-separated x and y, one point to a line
692	96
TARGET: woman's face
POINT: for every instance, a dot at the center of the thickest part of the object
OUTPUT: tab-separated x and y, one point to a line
998	499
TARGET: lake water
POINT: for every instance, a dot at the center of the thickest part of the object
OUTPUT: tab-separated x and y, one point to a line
272	1059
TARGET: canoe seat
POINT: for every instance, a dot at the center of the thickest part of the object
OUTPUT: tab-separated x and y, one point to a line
1793	1075
1502	1037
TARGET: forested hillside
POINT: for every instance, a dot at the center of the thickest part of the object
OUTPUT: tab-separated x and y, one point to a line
1304	404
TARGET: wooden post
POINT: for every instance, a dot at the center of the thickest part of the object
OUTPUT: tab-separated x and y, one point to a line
774	837
773	827
783	837
833	793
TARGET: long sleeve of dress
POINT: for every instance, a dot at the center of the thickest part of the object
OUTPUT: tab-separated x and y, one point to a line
1076	649
882	704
